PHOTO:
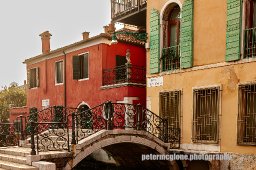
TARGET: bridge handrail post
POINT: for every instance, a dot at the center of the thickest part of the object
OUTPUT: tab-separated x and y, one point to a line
73	141
165	130
108	109
139	114
33	151
21	128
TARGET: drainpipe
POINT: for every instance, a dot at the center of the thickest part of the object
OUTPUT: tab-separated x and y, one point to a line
65	87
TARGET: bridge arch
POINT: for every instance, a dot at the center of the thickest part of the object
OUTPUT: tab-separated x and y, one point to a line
104	139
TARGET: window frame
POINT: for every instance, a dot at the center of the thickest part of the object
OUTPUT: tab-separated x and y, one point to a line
81	77
218	115
241	126
56	73
244	23
172	61
172	94
36	79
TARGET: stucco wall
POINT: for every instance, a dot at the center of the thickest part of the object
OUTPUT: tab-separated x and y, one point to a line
101	56
209	69
227	77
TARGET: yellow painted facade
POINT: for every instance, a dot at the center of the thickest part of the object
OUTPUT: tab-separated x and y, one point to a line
209	69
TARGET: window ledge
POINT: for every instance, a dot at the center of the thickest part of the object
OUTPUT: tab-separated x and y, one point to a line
33	88
84	79
122	85
204	67
59	84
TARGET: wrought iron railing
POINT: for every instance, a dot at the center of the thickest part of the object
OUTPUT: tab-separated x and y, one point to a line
170	59
250	43
56	128
124	74
9	135
120	7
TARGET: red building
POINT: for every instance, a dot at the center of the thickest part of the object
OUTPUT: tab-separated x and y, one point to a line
87	73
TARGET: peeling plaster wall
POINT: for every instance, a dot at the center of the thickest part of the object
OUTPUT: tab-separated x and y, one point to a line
227	78
239	162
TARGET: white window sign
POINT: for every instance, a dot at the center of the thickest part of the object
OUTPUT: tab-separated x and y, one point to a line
156	81
45	102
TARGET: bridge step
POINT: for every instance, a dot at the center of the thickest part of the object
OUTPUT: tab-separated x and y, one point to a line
15	166
11	158
15	151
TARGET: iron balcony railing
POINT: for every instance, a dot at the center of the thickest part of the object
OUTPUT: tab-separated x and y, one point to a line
124	74
120	7
170	59
250	43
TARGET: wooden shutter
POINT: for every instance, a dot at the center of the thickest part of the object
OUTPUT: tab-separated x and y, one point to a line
154	41
76	67
28	78
186	41
234	10
37	77
86	66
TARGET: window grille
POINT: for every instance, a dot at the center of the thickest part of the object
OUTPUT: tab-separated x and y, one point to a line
170	108
247	115
206	115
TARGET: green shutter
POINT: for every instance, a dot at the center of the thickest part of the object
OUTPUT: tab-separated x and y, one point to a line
186	40
234	10
154	41
76	67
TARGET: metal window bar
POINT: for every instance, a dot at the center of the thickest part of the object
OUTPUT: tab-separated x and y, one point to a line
250	43
247	115
206	115
170	109
170	59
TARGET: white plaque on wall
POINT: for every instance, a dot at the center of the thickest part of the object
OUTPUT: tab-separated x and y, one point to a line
45	102
156	81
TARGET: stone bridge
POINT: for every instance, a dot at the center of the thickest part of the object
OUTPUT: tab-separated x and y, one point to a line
61	138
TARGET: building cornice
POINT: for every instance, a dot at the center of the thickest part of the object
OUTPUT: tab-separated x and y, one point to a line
99	39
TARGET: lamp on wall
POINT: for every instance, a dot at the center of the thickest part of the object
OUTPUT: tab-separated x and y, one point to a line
141	36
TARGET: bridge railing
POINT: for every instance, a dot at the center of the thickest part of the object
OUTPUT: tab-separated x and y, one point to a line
57	127
9	135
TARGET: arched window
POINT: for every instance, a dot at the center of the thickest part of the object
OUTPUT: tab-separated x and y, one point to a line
170	59
250	12
172	28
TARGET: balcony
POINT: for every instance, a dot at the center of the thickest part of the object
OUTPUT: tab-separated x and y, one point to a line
170	59
131	12
250	43
125	74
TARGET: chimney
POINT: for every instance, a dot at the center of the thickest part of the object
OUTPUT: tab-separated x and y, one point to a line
45	37
85	35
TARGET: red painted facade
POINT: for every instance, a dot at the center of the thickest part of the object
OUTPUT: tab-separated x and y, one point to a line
90	91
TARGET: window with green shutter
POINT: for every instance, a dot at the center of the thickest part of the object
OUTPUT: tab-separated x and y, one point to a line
170	58
186	42
250	29
154	41
234	11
